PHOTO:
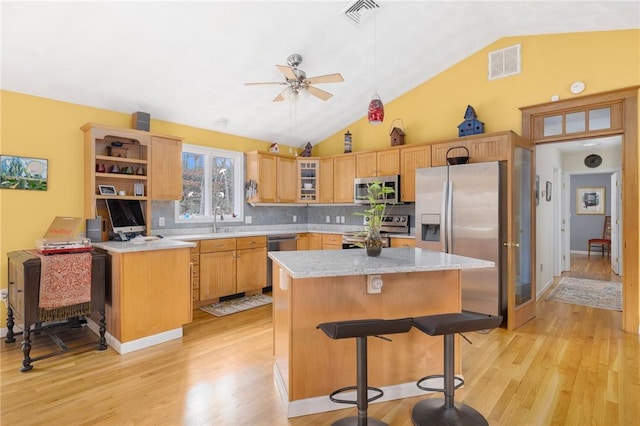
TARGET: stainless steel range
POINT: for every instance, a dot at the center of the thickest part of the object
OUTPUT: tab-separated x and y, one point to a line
391	224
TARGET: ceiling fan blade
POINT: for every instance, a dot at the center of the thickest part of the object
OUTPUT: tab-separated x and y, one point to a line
321	94
279	98
266	82
329	78
287	71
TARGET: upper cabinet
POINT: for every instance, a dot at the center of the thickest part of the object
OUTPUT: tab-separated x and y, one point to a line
481	147
286	181
344	173
274	177
166	168
378	163
261	170
326	180
308	180
412	158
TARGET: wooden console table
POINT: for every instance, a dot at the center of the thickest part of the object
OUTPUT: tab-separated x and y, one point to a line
24	291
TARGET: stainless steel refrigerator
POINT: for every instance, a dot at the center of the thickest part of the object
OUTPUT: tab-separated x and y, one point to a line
462	209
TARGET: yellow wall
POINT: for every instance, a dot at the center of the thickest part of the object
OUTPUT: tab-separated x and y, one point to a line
32	126
550	63
43	128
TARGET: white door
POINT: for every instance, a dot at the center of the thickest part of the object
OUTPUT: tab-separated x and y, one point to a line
565	223
616	222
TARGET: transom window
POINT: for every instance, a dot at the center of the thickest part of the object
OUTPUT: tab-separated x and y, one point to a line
212	183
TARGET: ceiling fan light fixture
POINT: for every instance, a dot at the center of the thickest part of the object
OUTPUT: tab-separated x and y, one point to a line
376	110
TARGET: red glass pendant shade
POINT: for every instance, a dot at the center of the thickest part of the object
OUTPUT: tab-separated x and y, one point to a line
376	110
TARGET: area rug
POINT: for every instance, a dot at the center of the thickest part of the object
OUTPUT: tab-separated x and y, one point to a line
237	305
594	293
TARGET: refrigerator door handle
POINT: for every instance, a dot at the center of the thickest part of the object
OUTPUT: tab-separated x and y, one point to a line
443	217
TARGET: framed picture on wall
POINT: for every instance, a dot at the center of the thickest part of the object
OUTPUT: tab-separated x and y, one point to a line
590	200
23	172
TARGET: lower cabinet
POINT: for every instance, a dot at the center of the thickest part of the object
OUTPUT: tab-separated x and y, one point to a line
402	242
232	265
331	241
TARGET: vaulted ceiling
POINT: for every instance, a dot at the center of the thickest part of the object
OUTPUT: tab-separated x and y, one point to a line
188	62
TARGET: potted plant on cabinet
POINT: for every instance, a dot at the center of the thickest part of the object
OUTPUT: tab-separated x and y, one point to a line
374	214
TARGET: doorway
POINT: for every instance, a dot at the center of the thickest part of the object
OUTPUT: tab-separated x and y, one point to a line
602	114
561	164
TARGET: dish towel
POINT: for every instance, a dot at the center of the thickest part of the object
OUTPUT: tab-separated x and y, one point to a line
65	285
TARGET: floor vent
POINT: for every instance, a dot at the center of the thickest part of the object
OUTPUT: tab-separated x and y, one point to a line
360	11
504	62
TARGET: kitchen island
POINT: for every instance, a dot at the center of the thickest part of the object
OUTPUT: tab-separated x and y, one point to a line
313	287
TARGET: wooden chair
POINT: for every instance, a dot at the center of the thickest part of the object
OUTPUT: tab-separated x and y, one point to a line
605	241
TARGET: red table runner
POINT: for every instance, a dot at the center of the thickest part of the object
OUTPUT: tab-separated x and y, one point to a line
65	285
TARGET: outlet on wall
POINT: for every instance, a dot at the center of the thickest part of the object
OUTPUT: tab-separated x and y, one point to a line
328	219
248	219
161	221
295	218
4	294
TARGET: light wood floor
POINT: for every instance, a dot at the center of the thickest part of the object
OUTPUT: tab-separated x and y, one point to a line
571	365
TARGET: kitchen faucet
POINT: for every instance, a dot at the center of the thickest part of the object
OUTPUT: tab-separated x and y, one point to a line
216	209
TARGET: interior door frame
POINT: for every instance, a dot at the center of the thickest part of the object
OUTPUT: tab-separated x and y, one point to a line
628	130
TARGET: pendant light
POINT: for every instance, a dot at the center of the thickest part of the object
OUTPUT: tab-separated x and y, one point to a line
376	107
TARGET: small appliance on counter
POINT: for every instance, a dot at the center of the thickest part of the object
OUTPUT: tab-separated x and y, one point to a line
62	237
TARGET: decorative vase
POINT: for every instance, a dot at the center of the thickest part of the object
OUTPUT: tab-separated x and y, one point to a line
373	243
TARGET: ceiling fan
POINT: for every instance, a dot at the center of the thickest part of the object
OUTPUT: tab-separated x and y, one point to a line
296	80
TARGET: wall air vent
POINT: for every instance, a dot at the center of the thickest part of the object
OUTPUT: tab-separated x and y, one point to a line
504	62
360	11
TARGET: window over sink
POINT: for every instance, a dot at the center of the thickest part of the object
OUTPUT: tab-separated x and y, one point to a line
212	183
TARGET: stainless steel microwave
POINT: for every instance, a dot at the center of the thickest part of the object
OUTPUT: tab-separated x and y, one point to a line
361	184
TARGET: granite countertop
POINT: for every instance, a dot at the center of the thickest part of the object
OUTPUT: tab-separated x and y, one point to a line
147	245
336	263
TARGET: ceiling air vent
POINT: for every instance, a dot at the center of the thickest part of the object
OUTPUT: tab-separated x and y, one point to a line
360	11
504	62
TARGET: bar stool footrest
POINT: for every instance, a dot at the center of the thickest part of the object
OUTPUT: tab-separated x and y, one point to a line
457	382
354	388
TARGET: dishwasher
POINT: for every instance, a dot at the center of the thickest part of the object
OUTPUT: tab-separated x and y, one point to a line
280	242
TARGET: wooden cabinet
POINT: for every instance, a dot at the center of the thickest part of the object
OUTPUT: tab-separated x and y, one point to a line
302	242
232	265
402	242
195	272
315	241
412	158
274	175
217	268
378	163
261	169
251	263
482	148
344	172
308	180
126	159
150	293
286	180
166	168
331	241
326	180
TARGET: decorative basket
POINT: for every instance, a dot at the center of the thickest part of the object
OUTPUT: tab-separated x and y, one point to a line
452	161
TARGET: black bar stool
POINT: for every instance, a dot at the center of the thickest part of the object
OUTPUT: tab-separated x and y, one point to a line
361	329
439	411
